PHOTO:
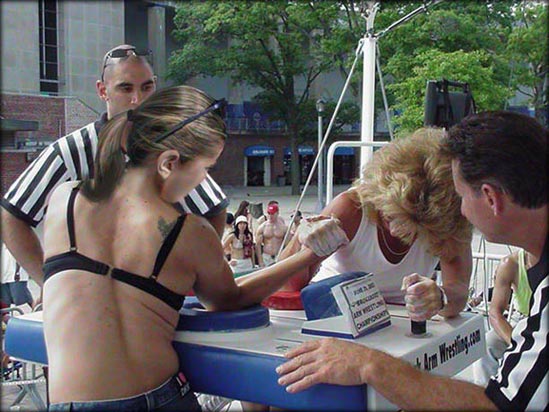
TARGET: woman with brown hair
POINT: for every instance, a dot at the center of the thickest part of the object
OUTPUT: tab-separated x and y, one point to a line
120	259
241	243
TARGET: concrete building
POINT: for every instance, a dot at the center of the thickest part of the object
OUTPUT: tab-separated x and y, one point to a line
51	55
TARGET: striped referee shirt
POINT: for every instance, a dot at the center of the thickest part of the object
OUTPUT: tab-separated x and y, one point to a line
72	158
522	381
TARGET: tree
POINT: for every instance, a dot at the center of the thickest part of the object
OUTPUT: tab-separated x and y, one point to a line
461	41
473	68
275	46
494	32
527	51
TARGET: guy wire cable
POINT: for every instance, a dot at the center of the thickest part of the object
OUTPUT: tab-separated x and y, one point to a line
382	87
422	8
318	155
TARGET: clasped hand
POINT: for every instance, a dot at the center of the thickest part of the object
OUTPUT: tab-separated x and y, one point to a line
422	298
322	234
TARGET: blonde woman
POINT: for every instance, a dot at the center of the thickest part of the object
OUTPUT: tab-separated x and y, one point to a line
120	259
402	218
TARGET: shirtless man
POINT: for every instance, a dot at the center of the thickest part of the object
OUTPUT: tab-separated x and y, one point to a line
263	217
269	236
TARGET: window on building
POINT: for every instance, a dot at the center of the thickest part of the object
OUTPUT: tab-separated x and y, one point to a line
49	59
7	141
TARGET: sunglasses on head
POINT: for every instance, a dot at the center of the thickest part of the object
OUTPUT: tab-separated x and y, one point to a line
124	54
218	105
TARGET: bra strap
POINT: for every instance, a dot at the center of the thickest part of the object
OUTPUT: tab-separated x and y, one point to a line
70	218
167	246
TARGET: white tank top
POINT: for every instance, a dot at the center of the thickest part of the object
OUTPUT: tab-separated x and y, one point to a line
363	254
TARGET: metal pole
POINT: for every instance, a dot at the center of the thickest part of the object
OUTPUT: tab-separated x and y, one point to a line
320	175
330	161
382	86
328	130
368	85
320	161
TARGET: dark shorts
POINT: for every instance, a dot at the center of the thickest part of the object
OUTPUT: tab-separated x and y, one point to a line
173	395
16	293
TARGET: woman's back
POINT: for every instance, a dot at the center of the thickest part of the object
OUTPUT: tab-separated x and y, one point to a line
119	258
109	316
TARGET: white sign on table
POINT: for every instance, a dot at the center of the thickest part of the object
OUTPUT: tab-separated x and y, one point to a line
363	310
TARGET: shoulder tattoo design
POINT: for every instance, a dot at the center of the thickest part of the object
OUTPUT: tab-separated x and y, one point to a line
165	227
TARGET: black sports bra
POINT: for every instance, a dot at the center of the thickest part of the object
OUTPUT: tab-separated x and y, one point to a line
74	260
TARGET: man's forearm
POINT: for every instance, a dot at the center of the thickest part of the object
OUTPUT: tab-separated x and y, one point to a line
501	326
24	245
218	222
418	390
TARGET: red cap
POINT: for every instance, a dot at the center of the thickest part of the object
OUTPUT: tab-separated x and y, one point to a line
272	209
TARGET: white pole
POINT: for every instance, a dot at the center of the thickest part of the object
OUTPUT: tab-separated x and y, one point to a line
368	85
330	162
320	165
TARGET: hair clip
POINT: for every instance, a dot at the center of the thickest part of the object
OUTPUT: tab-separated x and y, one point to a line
126	157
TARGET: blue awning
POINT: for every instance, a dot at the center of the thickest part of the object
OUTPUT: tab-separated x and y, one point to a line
344	151
259	150
302	150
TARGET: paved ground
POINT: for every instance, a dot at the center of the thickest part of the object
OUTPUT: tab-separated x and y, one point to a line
282	194
288	204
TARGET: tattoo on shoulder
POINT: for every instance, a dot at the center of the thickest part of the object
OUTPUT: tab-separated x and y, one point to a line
165	227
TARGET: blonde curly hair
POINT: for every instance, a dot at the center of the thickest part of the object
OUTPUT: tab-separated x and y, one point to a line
410	182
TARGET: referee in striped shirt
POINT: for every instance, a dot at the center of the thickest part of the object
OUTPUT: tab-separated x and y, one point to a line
127	78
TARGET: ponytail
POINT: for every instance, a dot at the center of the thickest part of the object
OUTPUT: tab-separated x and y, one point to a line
140	126
109	160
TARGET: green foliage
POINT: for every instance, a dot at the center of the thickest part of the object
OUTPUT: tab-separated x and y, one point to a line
464	41
474	68
281	47
527	52
276	46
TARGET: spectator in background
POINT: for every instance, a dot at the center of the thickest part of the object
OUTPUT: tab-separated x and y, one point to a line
296	222
229	228
15	289
269	236
241	244
263	219
511	279
244	210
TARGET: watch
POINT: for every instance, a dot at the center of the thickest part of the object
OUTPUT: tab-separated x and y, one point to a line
443	298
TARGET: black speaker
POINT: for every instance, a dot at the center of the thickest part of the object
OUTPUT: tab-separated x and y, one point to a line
445	107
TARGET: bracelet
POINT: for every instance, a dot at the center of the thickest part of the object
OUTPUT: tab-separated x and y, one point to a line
443	298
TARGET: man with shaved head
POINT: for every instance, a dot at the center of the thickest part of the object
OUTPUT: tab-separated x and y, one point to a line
127	79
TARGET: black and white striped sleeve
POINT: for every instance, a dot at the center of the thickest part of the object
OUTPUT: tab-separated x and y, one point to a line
68	158
523	378
207	199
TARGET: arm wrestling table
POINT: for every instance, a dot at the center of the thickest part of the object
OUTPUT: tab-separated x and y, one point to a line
234	354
